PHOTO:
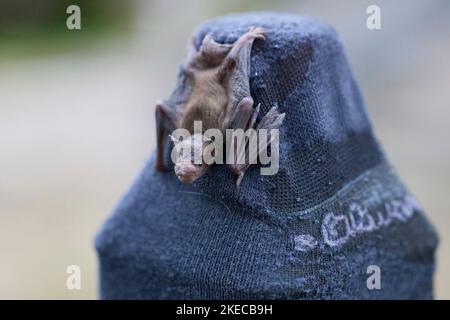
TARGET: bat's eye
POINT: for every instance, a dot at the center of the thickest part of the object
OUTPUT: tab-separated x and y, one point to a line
199	164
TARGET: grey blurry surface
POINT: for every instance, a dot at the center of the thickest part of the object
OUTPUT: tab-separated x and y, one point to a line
76	126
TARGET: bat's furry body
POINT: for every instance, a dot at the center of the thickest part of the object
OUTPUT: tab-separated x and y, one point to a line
213	88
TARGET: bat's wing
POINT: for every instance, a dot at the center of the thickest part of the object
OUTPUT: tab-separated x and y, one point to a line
169	112
236	70
245	155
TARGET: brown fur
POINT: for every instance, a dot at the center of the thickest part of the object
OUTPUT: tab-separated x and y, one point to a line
208	101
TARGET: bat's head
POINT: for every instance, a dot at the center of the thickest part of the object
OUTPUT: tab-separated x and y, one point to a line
189	164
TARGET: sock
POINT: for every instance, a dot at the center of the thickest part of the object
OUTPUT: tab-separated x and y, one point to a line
335	222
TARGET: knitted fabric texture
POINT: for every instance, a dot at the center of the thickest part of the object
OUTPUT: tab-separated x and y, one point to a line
334	209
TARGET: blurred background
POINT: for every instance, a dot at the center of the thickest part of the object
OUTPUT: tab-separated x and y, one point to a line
77	108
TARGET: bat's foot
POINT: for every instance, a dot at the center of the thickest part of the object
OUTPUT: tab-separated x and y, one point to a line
239	179
239	171
257	33
214	52
272	120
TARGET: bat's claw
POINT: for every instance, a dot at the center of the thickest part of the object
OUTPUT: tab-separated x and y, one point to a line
272	120
239	179
258	33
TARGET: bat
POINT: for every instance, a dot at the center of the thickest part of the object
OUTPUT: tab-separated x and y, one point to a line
213	87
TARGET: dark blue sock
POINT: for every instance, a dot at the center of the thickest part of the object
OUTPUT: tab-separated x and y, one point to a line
334	212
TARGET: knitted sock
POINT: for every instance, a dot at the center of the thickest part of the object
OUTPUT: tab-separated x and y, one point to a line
334	212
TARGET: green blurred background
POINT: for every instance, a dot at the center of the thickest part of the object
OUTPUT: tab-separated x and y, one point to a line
76	115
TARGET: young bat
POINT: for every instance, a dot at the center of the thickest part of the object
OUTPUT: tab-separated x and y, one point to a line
213	87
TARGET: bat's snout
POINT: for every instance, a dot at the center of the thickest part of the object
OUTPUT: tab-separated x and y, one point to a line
187	172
